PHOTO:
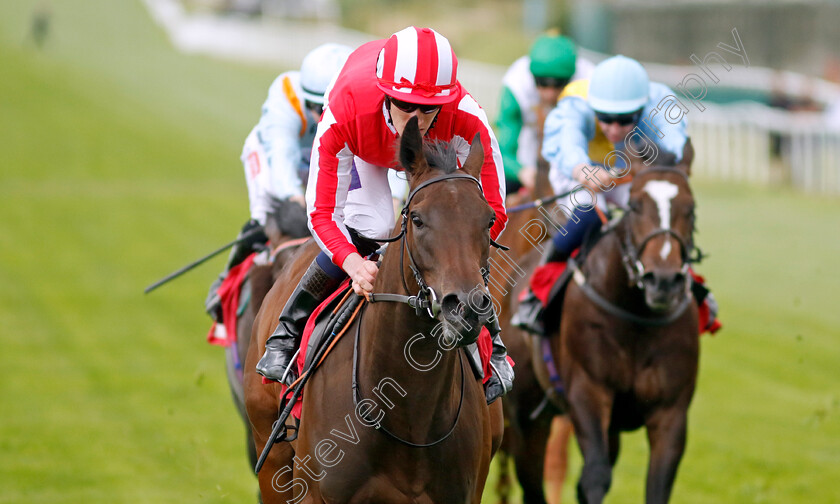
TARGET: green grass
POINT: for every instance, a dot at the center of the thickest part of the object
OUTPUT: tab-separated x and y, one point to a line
119	163
764	426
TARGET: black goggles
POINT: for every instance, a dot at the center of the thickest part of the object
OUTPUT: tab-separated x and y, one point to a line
551	82
621	119
411	107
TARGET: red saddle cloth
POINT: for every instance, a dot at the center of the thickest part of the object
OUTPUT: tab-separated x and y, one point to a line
484	343
229	293
543	280
545	276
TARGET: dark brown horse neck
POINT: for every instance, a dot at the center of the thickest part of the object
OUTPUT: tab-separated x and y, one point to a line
606	274
432	392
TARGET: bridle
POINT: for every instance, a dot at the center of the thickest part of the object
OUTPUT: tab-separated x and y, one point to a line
631	253
630	258
426	300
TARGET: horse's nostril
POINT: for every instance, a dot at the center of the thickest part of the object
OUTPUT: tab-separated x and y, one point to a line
663	281
481	303
451	305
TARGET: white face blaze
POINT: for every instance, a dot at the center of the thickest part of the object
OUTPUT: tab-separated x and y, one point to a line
662	193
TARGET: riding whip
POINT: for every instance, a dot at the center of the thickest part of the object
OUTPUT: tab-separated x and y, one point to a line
540	202
188	267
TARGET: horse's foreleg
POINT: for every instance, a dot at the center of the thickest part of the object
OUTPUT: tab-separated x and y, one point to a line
666	435
556	457
494	425
591	406
497	426
615	445
529	458
503	482
277	482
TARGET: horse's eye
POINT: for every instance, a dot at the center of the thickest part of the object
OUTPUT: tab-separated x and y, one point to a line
492	222
417	221
635	205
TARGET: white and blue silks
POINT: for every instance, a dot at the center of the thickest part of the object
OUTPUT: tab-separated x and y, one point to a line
571	126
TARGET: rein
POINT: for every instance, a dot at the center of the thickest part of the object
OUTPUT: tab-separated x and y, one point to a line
357	397
631	260
338	321
426	301
287	245
539	202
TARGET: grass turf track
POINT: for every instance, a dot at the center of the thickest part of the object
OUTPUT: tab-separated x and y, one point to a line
119	163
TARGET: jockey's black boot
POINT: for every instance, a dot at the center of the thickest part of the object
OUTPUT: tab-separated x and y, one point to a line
501	382
280	348
251	235
529	314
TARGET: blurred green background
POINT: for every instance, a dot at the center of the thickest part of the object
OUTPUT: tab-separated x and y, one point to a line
119	163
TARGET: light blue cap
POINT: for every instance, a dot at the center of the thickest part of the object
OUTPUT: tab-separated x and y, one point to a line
618	85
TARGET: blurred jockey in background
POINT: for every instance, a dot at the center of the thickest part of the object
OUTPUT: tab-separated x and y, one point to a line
593	118
276	152
530	90
383	84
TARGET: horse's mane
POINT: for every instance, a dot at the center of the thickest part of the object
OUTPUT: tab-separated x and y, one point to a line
662	157
441	155
667	159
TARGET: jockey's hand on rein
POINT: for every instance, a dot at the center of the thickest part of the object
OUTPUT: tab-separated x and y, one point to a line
593	176
361	271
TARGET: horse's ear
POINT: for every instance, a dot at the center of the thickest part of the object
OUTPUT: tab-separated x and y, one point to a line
475	159
411	149
687	157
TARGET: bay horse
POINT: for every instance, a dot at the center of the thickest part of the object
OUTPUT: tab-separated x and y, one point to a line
528	411
396	413
628	342
286	228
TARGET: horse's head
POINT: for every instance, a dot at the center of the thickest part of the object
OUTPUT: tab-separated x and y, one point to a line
658	235
287	219
447	224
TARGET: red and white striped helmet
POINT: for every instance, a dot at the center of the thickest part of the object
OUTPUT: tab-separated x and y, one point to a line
417	65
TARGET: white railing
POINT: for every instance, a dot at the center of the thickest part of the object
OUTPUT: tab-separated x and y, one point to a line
744	142
756	144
